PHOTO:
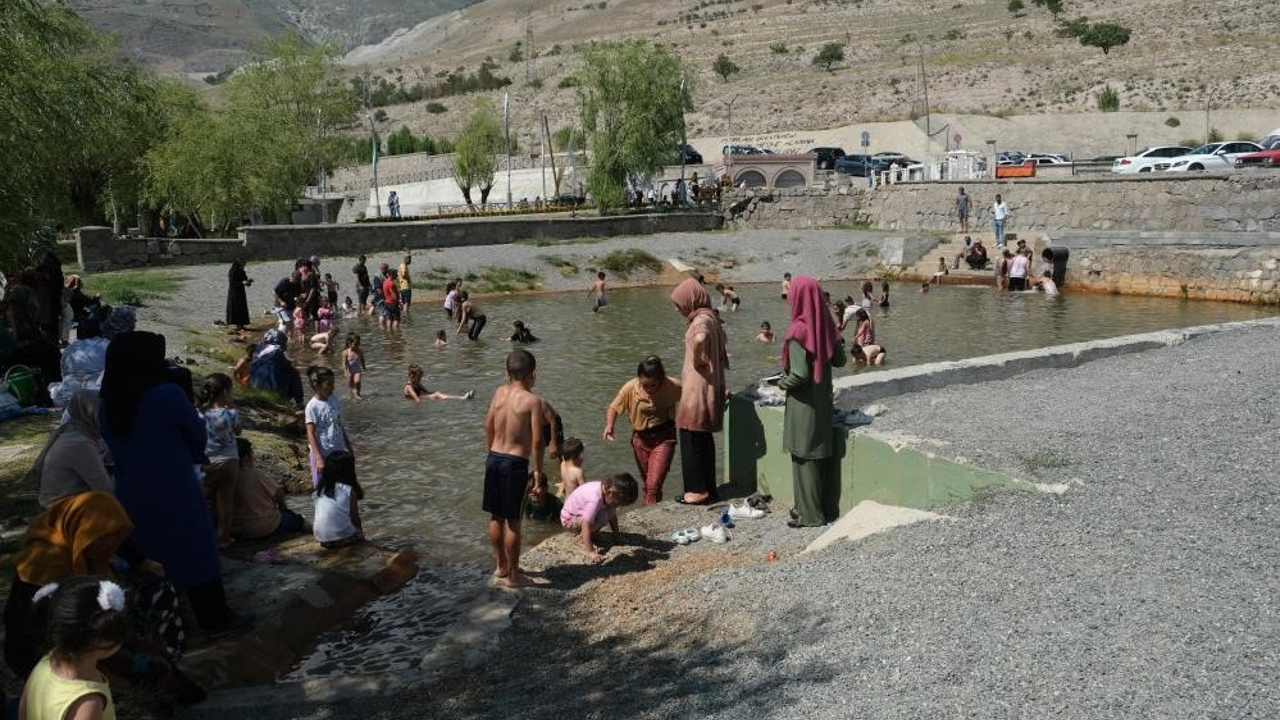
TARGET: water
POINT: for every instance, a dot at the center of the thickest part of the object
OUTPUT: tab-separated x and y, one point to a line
422	466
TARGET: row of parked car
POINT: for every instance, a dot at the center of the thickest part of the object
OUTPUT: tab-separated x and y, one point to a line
1210	156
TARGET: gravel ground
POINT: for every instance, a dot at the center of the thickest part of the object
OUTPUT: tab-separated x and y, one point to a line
743	256
1147	590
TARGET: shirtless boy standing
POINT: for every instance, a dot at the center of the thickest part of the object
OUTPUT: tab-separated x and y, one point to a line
597	289
512	432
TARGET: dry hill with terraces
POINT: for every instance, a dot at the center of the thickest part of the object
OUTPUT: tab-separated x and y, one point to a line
978	59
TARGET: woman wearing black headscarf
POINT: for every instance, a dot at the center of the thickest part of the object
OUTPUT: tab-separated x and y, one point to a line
237	303
157	438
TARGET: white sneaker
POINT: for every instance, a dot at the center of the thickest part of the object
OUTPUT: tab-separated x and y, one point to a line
715	533
738	512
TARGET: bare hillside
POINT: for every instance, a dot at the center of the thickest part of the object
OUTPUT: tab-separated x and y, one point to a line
977	59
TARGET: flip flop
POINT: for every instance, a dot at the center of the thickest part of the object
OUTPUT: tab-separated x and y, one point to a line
682	501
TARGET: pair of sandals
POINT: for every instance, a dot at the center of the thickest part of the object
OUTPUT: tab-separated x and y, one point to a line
686	536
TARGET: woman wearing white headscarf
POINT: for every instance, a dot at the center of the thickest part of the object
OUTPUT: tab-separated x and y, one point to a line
71	462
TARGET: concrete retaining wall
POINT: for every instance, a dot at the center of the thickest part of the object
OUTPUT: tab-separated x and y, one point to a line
869	467
99	250
855	391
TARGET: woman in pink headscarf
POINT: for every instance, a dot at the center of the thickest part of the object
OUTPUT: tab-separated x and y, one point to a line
701	410
811	348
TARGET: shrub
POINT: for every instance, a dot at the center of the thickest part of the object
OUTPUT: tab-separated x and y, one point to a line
778	48
1172	122
724	67
1016	6
1108	99
1214	136
830	54
436	108
624	262
568	81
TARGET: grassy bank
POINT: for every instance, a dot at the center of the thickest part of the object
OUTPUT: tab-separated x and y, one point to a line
134	287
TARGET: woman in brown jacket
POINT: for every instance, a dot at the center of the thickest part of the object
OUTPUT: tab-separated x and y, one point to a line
701	410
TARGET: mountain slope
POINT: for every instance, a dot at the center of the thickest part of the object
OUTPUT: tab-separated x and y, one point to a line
976	57
203	36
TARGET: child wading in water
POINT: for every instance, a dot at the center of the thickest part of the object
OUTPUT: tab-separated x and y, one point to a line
594	504
415	391
571	475
337	502
87	624
512	433
766	333
442	339
353	364
222	424
325	434
597	289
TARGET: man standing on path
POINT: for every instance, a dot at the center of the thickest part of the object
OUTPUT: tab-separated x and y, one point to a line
962	211
999	213
393	204
406	287
362	282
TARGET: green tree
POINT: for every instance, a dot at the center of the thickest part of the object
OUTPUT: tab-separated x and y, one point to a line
74	118
633	101
1108	99
475	150
402	142
724	67
280	122
1016	7
1105	36
1054	7
830	54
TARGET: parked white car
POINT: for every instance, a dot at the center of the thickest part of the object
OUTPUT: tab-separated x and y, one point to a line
1048	159
1214	156
1146	160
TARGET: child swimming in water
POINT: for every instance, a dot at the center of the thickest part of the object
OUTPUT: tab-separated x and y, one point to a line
415	391
766	333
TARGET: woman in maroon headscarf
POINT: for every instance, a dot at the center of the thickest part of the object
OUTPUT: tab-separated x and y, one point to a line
810	349
701	410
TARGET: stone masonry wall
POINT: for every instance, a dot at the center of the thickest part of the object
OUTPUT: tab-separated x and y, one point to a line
791	209
98	249
1178	202
1234	274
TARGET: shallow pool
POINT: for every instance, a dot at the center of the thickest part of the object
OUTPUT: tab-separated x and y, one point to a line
422	465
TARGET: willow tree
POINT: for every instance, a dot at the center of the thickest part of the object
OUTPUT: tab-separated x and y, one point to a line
475	151
75	116
633	97
277	128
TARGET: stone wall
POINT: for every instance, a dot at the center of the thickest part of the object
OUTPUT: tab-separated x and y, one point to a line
1176	202
1180	202
792	209
98	249
1235	274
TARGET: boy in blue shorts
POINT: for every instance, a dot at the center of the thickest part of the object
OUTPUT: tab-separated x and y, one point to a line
512	433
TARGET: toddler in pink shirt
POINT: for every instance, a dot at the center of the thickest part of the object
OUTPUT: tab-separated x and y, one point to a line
593	504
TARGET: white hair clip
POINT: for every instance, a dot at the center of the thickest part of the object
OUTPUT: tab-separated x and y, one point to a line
44	592
110	596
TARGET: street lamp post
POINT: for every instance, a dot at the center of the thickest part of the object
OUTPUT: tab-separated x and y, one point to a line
506	134
377	193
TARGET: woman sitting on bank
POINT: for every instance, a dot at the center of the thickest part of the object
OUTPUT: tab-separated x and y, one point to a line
272	370
80	535
72	460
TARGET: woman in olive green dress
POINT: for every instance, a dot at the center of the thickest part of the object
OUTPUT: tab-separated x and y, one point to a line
811	348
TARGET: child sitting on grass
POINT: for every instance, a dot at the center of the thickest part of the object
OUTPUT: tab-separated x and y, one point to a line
594	504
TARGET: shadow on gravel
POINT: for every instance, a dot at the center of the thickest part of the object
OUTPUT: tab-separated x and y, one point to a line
645	554
708	663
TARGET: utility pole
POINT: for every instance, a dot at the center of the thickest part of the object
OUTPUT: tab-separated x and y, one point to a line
530	53
683	142
506	134
728	161
373	132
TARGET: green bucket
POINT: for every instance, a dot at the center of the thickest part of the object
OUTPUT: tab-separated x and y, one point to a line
22	384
